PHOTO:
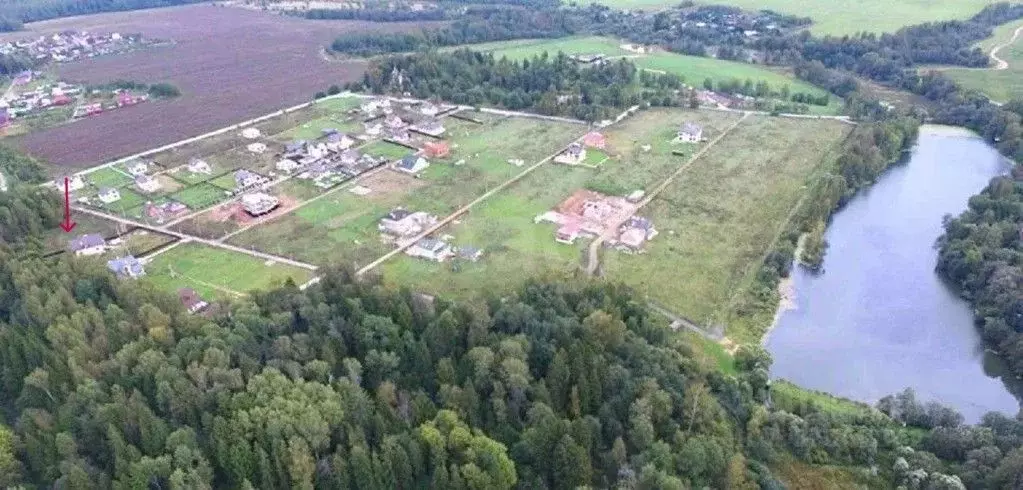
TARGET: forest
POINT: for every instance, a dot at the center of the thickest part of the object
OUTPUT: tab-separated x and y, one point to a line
552	85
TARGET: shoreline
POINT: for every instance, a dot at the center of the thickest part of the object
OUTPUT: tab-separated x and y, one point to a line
786	292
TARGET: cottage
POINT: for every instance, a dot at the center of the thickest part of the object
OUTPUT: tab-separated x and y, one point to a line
257	148
412	164
258	203
147	184
126	267
85	245
430	249
109	195
690	133
137	168
572	155
471	254
191	300
403	223
372	129
250	133
245	179
199	166
287	165
594	139
437	149
431	126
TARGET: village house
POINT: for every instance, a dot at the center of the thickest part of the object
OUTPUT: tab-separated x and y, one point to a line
402	223
372	128
109	195
191	300
317	150
399	134
690	133
437	149
374	105
431	126
199	166
393	122
430	249
164	211
295	149
348	157
287	165
635	232
412	164
137	168
567	233
572	155
245	179
258	203
429	109
250	133
594	139
257	148
127	267
339	141
74	183
147	184
86	245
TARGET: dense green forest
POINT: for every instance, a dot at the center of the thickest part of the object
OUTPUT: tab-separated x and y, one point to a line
552	85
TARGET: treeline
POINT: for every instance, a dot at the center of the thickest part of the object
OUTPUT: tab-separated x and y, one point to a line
981	253
481	24
158	90
375	14
13	13
544	84
762	89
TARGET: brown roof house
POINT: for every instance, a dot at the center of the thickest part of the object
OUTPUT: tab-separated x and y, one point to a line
191	300
437	149
594	139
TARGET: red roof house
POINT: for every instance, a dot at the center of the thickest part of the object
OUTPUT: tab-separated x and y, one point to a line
438	149
61	100
594	139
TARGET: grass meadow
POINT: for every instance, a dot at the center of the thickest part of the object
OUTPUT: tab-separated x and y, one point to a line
215	272
1000	85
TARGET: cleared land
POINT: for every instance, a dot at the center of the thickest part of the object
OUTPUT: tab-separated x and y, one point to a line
1001	85
214	272
718	219
230	64
843	17
693	68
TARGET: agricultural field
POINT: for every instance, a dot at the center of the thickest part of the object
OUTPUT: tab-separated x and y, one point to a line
719	218
516	248
341	226
1001	82
215	272
225	61
839	18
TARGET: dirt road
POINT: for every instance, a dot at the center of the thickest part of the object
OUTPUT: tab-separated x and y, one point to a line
1001	64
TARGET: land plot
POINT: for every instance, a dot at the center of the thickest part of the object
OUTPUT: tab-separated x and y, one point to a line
130	198
215	272
314	129
717	219
389	151
137	243
109	177
225	61
56	240
200	196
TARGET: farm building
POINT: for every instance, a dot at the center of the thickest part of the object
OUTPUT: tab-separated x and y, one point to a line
199	166
567	233
431	126
690	133
258	203
85	245
257	148
412	164
109	195
246	179
594	139
437	149
431	249
402	223
127	267
374	105
572	155
147	184
251	133
191	300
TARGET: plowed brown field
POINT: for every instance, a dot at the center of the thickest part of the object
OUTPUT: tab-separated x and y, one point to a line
230	64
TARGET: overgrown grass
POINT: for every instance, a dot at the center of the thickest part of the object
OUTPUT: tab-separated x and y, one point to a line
215	272
200	196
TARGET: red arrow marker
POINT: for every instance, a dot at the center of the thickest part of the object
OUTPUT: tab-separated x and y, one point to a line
67	225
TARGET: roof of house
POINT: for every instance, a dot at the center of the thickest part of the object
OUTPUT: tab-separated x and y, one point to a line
594	137
296	145
86	241
242	175
144	179
640	223
398	214
350	155
409	162
189	297
431	244
691	128
128	262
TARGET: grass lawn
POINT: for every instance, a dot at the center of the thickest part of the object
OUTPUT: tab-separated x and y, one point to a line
718	218
842	17
339	104
314	129
386	150
1000	85
129	199
109	177
215	272
594	157
200	196
693	68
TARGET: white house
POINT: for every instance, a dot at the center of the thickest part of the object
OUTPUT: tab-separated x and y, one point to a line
431	249
690	133
412	164
574	154
250	133
259	203
109	195
199	166
257	148
137	168
147	184
339	141
287	165
373	129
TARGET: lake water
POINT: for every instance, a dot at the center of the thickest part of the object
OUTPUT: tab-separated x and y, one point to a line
878	318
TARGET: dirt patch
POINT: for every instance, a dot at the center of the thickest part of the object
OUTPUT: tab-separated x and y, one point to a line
230	64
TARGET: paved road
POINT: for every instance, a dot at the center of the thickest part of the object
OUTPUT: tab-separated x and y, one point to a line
204	241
